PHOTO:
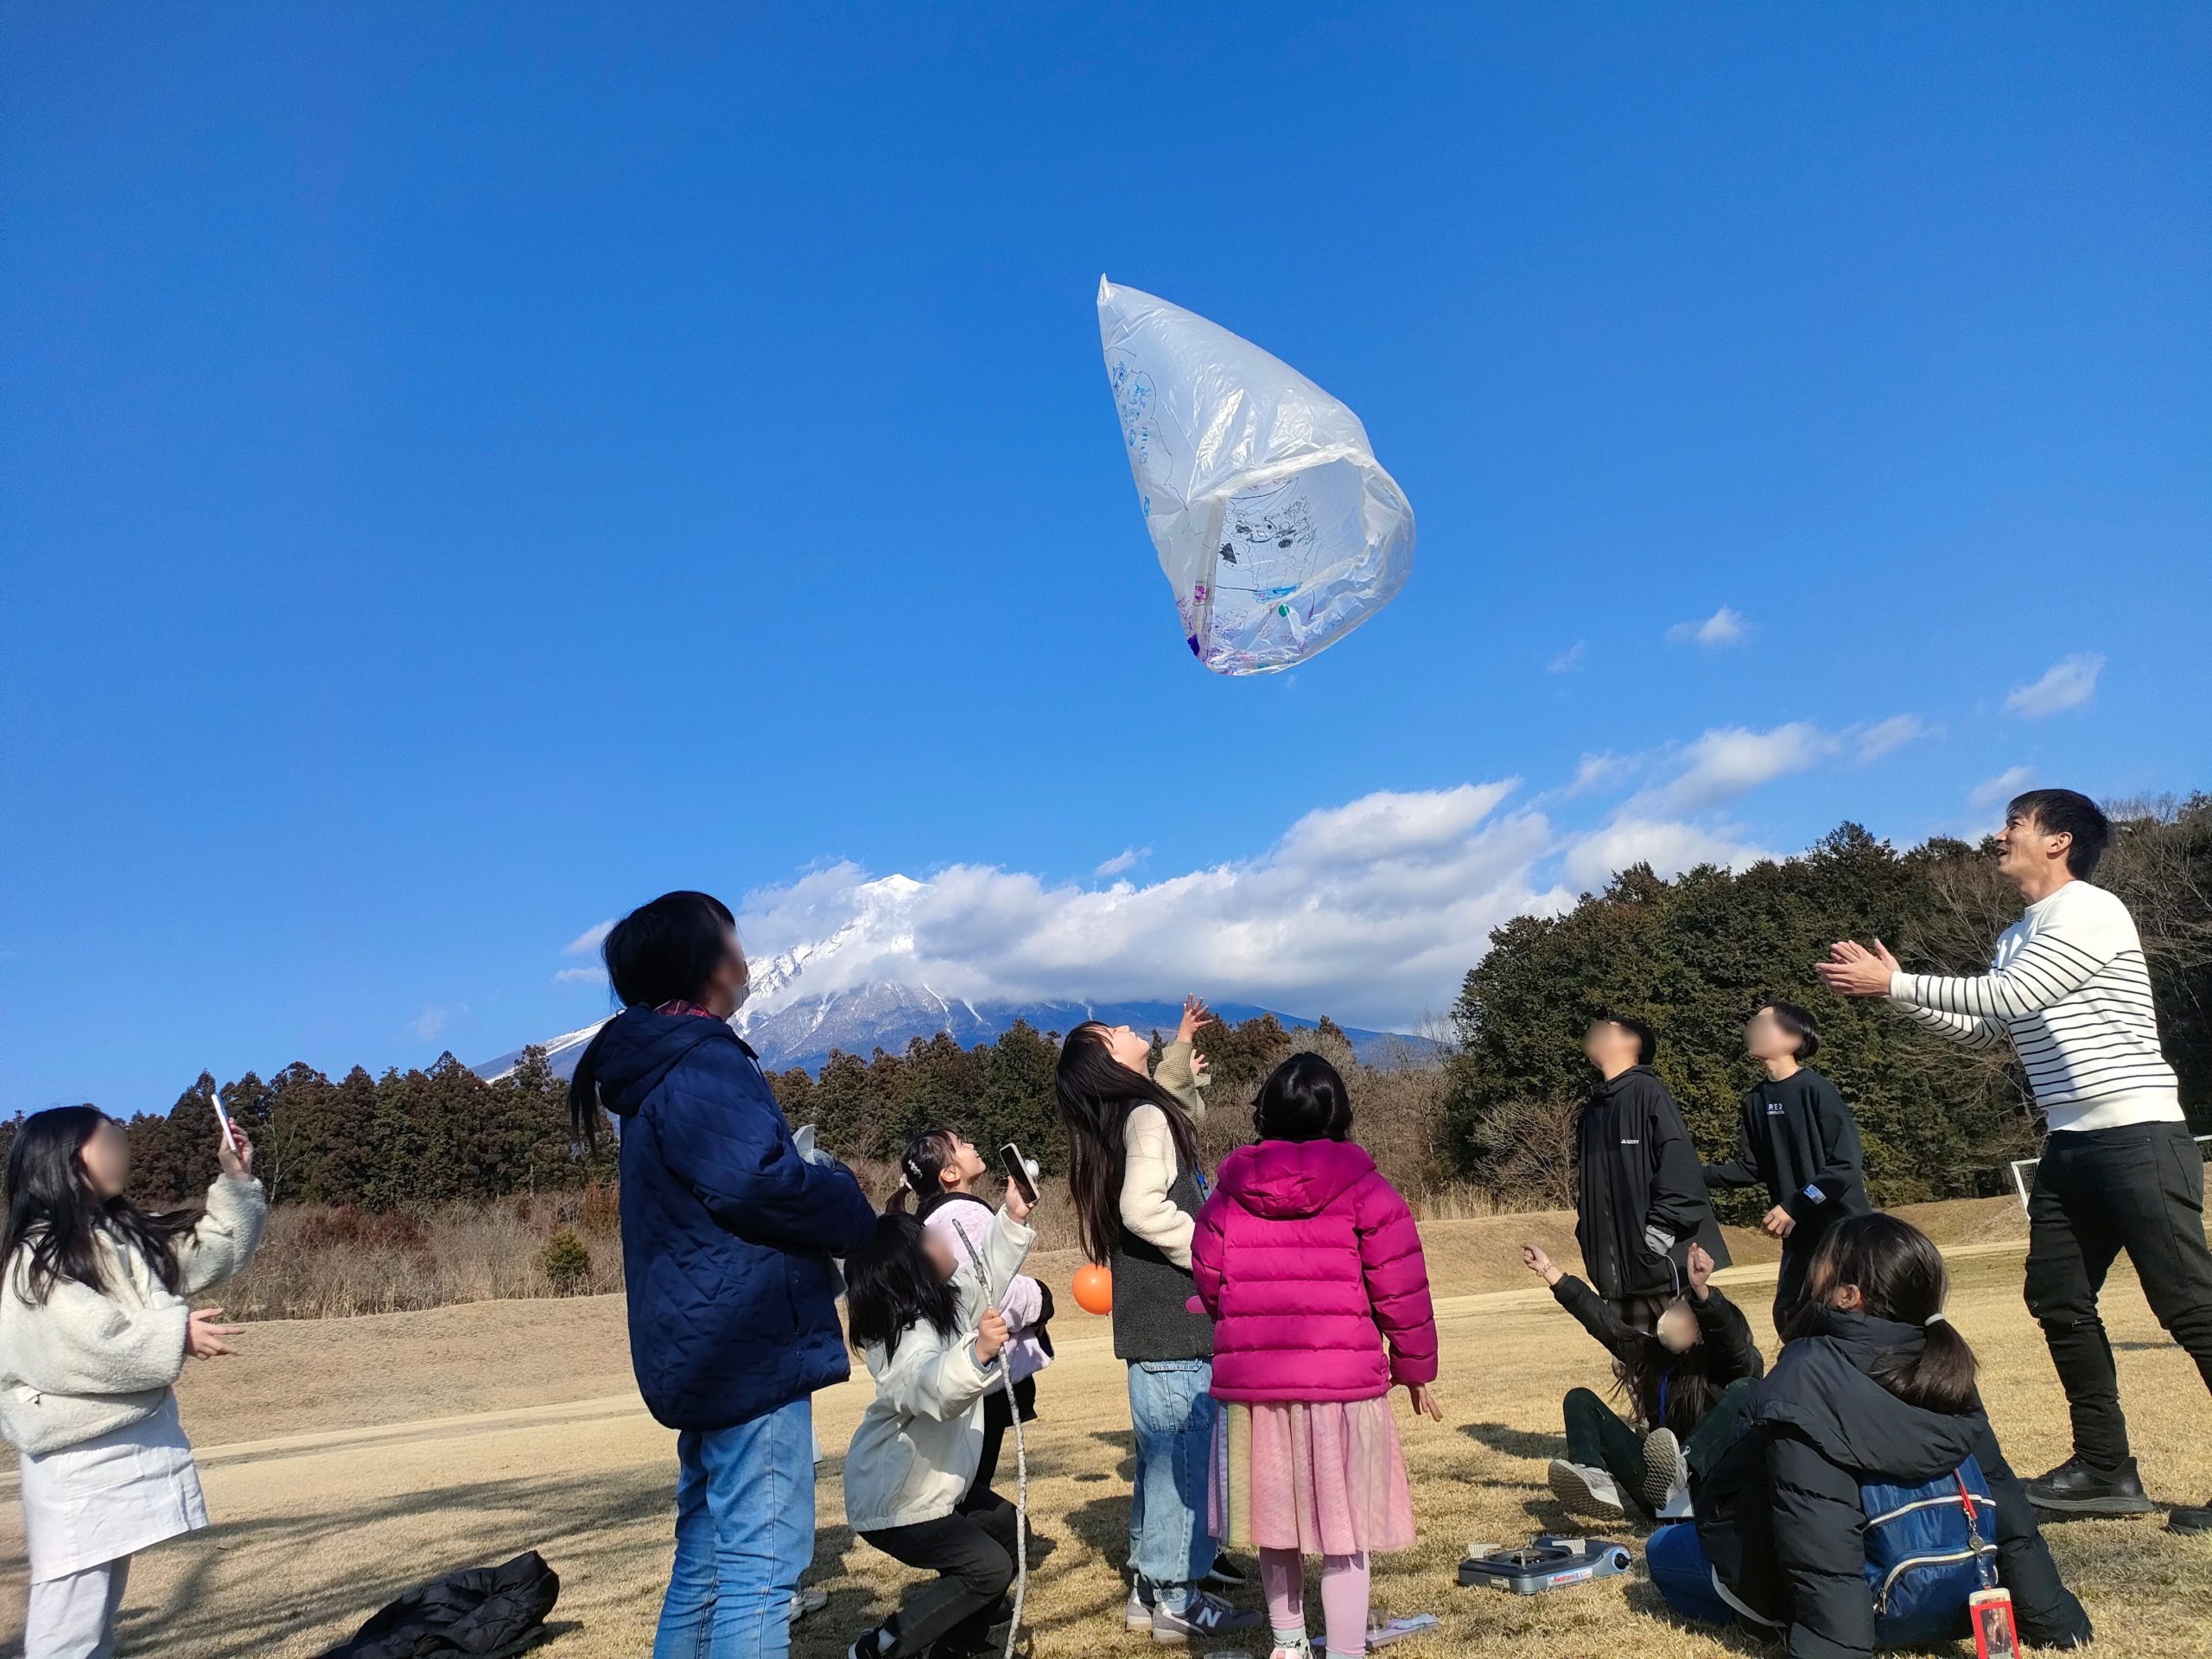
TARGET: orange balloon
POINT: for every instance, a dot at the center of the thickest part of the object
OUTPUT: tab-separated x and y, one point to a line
1094	1289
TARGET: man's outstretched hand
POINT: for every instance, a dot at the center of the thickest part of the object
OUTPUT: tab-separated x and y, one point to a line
1853	970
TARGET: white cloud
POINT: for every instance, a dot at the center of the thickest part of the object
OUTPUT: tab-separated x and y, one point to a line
1570	659
1728	761
1669	846
1870	743
590	939
581	976
2066	684
1595	771
1373	910
1994	792
429	1024
1125	859
1725	627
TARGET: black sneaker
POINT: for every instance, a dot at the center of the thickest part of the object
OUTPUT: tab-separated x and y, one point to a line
1227	1576
2079	1488
2189	1517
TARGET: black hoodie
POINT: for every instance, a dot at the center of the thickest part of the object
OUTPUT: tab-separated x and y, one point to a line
1779	1515
1638	1173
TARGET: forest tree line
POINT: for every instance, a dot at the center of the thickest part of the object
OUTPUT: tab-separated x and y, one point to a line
1492	1107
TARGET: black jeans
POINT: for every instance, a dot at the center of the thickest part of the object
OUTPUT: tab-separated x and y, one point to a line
1598	1437
998	1417
2139	1188
973	1552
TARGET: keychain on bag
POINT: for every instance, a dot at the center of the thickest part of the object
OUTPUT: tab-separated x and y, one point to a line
1995	1636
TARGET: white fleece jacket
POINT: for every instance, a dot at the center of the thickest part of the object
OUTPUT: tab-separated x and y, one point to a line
1149	1160
921	1438
86	1362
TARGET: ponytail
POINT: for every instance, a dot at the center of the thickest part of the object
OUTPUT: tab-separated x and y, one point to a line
1900	1276
922	1167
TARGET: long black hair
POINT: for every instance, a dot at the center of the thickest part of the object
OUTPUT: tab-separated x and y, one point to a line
55	1214
1901	1278
658	953
1097	1092
1303	1099
891	1286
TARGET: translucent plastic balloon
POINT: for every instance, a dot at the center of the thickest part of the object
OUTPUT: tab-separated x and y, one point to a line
1277	528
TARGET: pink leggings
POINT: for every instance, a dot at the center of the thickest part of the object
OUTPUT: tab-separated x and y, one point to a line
1344	1596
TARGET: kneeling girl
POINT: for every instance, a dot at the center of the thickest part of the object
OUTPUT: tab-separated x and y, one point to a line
927	1324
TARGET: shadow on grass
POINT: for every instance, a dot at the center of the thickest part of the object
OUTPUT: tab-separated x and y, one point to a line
1643	1598
1515	1442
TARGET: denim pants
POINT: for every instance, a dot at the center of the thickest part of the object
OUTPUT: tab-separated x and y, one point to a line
1679	1570
1173	1414
744	1533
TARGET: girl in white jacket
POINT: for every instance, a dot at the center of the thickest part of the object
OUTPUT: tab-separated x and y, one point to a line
941	1170
94	1328
928	1325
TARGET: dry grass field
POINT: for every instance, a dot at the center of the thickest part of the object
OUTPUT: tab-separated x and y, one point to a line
345	1460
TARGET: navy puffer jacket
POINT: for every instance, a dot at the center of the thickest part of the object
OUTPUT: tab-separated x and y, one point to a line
727	1232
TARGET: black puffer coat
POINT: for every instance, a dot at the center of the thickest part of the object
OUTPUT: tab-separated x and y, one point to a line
1638	1171
485	1610
1779	1514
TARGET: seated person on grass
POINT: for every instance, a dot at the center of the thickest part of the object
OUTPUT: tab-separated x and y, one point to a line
1682	1381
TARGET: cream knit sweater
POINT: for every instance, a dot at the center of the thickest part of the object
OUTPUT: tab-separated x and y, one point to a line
85	1363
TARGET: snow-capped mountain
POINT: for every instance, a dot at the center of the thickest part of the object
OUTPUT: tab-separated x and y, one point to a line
889	1016
861	985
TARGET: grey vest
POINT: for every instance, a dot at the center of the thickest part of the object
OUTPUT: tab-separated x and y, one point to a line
1151	1320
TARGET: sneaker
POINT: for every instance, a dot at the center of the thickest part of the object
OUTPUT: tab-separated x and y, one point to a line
870	1646
2079	1488
1207	1617
1584	1492
807	1600
1302	1649
1137	1614
1664	1469
2191	1517
1225	1575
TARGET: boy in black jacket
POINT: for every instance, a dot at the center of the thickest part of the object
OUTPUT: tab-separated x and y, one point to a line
1796	1138
1642	1201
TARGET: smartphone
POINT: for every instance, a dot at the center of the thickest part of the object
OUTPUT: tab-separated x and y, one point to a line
1995	1636
222	1118
1017	1169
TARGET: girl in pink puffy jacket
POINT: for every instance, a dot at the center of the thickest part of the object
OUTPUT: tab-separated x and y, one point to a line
1310	1265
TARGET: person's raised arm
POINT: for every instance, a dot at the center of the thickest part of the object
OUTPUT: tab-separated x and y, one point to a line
719	1131
1590	1310
226	1235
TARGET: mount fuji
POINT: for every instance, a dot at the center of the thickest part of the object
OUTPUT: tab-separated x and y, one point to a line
818	996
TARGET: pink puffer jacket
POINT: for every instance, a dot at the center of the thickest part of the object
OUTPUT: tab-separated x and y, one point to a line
1308	1261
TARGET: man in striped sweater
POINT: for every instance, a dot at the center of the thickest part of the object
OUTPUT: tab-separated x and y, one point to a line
2069	989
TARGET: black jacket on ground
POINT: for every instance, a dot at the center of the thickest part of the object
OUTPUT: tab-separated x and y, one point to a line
1795	1138
1637	1169
485	1610
1726	1354
1779	1513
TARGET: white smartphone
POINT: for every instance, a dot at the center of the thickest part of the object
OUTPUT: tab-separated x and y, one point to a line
222	1118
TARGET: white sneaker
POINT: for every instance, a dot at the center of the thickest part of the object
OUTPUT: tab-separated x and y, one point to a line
1584	1490
1137	1615
1676	1505
807	1600
1665	1470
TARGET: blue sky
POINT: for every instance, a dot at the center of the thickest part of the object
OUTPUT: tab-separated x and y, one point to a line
471	468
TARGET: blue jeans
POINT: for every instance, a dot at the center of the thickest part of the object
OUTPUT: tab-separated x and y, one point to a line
1677	1564
1173	1414
744	1533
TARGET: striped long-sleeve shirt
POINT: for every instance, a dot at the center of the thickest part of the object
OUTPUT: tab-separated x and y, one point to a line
2069	986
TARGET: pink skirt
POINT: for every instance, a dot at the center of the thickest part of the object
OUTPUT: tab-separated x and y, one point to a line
1323	1477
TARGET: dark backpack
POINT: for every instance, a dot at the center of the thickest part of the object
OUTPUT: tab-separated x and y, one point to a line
484	1611
1928	1548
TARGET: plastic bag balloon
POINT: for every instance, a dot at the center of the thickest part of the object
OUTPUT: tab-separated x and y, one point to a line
1278	530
